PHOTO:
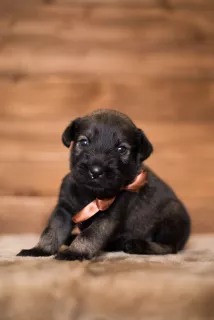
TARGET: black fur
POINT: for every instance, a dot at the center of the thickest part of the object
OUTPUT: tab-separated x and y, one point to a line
107	154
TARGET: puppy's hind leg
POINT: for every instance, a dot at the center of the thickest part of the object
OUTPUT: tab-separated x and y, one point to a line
169	234
138	246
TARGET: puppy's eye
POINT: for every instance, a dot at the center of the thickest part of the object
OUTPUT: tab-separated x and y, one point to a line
83	142
122	149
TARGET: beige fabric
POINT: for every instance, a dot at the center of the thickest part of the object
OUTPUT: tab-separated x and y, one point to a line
112	286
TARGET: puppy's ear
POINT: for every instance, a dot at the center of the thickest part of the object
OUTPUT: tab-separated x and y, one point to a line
69	132
145	146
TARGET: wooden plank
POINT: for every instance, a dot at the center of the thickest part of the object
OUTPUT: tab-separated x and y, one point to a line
29	214
22	5
31	178
201	212
24	214
176	43
63	15
147	3
120	22
91	15
133	41
50	98
154	32
197	4
30	59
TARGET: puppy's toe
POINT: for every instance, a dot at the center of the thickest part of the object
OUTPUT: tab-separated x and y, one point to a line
71	256
34	252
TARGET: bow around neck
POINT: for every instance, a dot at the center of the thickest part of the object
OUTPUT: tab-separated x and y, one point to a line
101	205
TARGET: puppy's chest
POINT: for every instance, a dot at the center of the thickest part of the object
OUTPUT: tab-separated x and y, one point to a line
128	206
77	197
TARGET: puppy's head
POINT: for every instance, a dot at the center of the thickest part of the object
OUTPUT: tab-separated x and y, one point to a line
107	151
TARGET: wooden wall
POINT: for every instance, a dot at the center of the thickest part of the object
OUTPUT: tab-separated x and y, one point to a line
153	59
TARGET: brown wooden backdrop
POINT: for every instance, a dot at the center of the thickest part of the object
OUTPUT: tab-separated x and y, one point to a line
153	59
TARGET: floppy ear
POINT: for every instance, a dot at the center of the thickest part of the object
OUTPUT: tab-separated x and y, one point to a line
145	147
69	133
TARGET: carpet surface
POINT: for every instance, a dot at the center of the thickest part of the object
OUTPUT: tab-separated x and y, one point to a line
112	286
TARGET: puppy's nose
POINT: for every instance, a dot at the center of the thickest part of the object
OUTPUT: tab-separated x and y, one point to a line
95	171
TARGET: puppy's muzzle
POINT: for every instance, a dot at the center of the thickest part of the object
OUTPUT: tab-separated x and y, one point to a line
96	171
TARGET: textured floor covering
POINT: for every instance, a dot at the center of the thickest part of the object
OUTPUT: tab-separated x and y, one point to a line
112	286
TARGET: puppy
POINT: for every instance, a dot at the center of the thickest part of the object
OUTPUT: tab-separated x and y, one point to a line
103	196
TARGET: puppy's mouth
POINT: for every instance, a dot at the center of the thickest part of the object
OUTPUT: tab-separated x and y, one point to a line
103	183
103	180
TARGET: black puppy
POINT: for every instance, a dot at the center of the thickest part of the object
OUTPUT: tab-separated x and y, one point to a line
106	156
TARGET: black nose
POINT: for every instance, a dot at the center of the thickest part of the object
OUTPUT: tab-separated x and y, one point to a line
95	171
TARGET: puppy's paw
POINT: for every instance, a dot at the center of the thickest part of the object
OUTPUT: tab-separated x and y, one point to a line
72	256
34	252
136	246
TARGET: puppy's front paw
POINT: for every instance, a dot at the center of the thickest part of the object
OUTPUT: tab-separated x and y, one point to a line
72	256
34	252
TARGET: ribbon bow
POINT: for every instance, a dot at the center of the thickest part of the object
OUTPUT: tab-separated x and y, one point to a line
101	205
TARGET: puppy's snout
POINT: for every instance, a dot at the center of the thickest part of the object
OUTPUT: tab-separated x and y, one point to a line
95	171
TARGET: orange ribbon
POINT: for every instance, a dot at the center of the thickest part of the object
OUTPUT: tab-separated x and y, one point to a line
101	205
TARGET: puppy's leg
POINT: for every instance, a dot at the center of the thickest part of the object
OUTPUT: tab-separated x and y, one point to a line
138	246
70	239
169	234
55	234
87	244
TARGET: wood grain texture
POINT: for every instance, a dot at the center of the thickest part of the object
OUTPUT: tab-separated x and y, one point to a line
22	5
94	61
61	59
24	214
112	39
50	98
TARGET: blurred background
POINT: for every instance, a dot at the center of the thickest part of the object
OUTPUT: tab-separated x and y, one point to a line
152	59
